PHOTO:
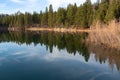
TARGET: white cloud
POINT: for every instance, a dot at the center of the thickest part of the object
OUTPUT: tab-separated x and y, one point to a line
35	5
17	1
64	3
63	54
25	5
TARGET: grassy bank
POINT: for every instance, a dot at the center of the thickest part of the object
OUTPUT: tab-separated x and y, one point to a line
108	35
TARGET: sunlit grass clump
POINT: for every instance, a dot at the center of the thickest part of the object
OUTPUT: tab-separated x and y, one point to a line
107	34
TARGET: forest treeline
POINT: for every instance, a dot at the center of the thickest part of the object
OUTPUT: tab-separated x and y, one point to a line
73	16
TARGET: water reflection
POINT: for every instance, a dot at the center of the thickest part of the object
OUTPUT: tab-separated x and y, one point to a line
59	56
104	54
71	42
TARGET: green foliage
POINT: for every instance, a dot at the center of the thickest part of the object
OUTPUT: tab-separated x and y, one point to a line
44	18
35	18
78	16
111	11
117	11
84	15
27	19
102	11
61	17
87	14
70	15
50	16
73	16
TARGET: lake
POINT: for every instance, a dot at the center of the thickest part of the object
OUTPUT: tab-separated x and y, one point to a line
55	56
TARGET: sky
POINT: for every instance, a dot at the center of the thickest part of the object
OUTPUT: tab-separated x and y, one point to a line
12	6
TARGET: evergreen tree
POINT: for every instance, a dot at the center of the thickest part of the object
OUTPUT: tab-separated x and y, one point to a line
73	16
40	18
55	19
111	11
75	13
44	19
78	16
28	19
117	11
61	16
35	18
50	16
70	15
86	14
102	11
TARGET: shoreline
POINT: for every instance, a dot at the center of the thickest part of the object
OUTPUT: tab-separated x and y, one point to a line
59	29
108	36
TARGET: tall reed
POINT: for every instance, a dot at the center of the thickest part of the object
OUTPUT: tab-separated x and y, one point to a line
105	34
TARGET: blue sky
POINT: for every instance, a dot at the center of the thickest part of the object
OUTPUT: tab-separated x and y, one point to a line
12	6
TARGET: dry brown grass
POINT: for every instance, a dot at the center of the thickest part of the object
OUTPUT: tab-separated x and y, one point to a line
58	29
108	35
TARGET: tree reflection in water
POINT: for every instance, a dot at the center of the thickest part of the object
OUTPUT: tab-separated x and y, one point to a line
72	42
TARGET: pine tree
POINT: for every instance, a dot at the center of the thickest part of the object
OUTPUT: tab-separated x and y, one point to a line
40	18
61	17
70	15
78	16
50	16
86	14
73	16
75	13
102	11
35	18
44	19
117	12
28	19
111	11
55	19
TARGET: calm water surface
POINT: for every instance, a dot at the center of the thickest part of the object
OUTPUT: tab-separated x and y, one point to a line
55	56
